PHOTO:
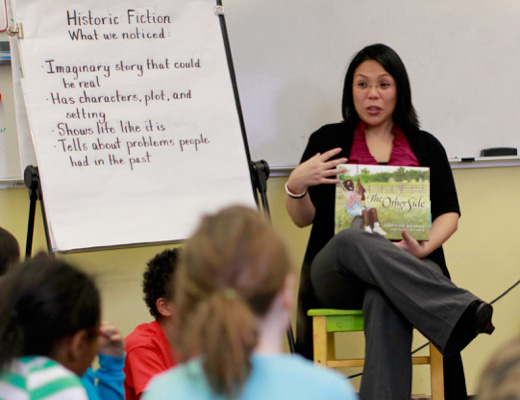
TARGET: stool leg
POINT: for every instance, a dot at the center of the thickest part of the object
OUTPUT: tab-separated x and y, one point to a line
436	373
320	339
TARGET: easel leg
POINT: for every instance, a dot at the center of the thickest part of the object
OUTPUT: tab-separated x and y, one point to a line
32	182
260	172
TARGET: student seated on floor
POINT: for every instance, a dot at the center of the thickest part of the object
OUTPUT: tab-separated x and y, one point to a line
9	251
148	351
234	294
49	323
106	383
500	378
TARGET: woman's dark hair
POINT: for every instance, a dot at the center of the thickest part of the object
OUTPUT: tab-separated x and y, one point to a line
42	301
404	114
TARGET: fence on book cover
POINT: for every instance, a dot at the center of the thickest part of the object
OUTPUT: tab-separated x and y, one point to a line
398	188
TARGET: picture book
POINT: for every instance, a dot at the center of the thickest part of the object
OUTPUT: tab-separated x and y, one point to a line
384	199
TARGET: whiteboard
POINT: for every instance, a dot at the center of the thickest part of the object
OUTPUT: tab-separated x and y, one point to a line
9	157
133	119
291	56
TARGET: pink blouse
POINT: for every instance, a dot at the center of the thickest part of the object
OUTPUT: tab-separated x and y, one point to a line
401	155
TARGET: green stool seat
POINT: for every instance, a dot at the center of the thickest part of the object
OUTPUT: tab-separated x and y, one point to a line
340	320
326	322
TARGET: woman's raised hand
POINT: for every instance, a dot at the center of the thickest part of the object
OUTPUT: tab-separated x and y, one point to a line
316	170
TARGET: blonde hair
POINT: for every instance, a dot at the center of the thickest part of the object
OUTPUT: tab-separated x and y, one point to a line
500	379
230	271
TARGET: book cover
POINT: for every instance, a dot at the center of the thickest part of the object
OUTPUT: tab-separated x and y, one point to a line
384	200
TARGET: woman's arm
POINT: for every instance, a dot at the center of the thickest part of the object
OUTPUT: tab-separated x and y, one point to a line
317	170
443	227
301	210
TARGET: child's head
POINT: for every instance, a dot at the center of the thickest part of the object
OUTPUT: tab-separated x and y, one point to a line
49	308
348	185
231	270
499	379
9	251
157	282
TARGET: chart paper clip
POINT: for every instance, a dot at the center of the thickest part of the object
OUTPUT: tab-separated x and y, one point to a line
15	31
219	10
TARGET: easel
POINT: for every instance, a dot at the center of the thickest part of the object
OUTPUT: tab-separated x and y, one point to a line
31	179
259	169
260	174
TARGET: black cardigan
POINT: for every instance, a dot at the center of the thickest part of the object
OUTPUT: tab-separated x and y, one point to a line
429	153
443	195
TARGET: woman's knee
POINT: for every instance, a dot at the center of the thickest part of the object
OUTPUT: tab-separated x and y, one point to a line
348	237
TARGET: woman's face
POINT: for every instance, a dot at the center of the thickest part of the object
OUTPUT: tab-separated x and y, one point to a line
375	94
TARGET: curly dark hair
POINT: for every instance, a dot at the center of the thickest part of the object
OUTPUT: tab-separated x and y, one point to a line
157	278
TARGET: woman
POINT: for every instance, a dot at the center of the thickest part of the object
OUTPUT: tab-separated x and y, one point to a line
234	294
356	269
49	321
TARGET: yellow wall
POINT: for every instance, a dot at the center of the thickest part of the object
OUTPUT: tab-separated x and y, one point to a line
483	256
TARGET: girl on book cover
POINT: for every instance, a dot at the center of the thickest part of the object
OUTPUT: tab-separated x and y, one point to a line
355	208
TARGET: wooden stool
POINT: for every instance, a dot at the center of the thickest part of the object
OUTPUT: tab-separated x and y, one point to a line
325	322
